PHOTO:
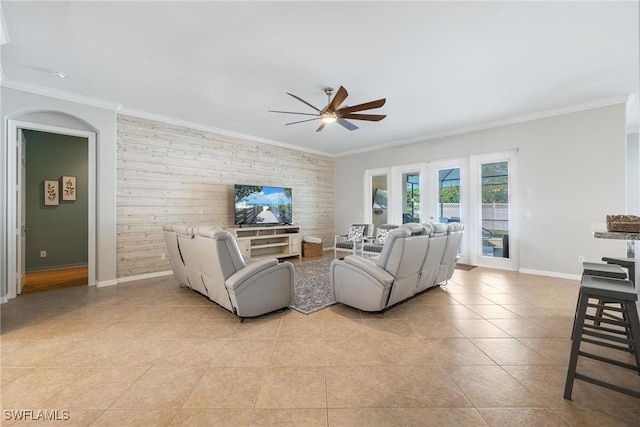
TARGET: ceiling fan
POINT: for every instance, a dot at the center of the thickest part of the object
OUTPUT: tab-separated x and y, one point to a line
332	113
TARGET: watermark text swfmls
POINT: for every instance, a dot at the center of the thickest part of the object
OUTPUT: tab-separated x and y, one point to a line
36	415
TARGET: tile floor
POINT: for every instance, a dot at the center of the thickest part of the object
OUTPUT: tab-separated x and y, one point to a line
489	349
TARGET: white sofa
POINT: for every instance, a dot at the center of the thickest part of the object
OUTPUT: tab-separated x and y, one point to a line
207	259
415	257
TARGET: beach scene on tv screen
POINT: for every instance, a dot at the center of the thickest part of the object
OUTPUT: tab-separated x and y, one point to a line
262	205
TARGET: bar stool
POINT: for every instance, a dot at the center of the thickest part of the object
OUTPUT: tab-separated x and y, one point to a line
628	263
613	271
627	340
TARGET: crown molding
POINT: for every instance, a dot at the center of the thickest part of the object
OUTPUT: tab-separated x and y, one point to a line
211	129
60	94
498	123
94	102
629	100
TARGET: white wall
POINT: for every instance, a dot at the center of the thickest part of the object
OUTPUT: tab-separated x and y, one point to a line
633	174
51	111
574	164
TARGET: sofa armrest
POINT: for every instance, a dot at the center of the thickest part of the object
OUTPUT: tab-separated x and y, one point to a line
371	268
253	268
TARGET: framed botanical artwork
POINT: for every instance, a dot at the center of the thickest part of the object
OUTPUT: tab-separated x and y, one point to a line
69	188
51	193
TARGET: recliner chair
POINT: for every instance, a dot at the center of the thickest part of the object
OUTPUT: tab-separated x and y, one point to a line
415	257
375	285
214	267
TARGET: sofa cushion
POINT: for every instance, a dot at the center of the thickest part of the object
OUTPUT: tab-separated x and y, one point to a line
381	236
355	232
415	228
439	228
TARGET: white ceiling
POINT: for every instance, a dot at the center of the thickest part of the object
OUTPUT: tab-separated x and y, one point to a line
443	66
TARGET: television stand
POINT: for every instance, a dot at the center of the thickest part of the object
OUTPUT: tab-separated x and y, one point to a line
279	241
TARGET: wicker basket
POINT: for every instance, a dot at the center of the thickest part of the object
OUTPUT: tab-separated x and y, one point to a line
623	223
311	249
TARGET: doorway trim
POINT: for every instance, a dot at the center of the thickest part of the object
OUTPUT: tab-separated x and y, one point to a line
13	209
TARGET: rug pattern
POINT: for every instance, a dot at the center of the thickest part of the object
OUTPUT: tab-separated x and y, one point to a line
312	290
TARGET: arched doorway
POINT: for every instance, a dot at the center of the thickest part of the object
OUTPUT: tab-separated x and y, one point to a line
16	227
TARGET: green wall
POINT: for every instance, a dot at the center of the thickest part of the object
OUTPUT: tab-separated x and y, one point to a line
60	230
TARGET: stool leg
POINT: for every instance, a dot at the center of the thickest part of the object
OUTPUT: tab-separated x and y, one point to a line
578	327
599	311
634	329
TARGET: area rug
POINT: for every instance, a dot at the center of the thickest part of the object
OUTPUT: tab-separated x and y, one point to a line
465	267
312	291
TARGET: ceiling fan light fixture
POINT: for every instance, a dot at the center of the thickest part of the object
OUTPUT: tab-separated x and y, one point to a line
333	112
328	117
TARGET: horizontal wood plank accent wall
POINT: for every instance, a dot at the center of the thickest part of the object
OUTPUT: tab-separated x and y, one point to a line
168	173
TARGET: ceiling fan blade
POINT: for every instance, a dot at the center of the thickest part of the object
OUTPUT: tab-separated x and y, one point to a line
322	125
369	117
337	100
292	112
302	121
347	125
366	106
303	101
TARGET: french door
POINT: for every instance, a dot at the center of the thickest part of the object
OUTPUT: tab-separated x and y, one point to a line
476	191
494	237
448	197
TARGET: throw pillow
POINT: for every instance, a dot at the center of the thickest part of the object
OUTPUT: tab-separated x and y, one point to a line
381	236
355	232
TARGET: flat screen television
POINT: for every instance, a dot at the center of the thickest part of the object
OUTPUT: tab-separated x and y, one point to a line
262	205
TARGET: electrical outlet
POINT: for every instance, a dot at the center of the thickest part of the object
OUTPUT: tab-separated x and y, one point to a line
163	256
580	259
43	254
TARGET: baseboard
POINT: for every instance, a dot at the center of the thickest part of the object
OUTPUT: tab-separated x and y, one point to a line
145	276
4	300
56	267
104	283
550	274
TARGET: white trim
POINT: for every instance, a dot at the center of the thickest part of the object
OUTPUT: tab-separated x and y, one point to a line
367	212
550	274
105	283
206	128
12	214
633	114
4	300
59	94
144	276
4	34
498	123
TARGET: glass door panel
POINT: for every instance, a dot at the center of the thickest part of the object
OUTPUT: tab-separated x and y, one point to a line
411	197
494	183
379	199
449	197
449	206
